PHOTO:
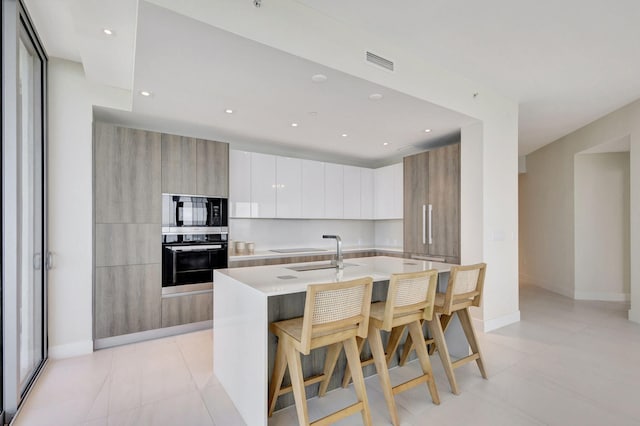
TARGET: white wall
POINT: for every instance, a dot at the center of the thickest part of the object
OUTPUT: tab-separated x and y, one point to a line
602	226
318	38
547	204
71	98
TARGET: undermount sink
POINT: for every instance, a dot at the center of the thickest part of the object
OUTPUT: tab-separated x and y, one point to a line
303	268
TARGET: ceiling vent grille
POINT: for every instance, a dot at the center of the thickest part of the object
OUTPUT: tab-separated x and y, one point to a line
379	61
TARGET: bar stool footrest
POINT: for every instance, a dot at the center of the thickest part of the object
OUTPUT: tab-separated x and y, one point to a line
345	412
307	382
409	384
465	360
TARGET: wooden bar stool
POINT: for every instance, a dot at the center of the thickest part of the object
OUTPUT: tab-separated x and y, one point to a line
463	290
410	300
334	314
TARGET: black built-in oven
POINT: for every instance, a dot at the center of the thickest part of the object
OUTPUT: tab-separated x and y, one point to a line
194	238
192	258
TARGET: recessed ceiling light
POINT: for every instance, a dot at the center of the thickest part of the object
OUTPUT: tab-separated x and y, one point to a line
427	130
344	135
386	143
294	124
318	78
145	93
228	111
108	31
313	113
375	96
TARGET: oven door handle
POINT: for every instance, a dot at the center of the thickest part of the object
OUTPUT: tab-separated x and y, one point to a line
201	247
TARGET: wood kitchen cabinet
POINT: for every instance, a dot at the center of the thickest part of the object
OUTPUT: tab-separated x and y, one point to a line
127	175
194	166
187	308
432	203
212	168
127	299
178	164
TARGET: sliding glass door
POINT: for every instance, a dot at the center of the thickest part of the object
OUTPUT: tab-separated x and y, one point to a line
31	206
24	260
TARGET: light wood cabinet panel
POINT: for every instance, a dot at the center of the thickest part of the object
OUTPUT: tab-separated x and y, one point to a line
444	196
185	309
212	168
432	191
127	175
128	244
178	164
416	197
127	299
239	183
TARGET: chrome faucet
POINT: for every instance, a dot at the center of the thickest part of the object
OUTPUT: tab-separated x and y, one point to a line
338	260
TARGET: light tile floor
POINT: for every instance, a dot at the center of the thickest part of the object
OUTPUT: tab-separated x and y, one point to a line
566	363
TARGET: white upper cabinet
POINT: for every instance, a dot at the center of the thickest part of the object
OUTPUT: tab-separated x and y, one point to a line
312	189
366	193
239	184
263	185
333	191
352	188
388	183
288	187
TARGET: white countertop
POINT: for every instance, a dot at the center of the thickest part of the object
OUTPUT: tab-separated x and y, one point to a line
265	254
275	280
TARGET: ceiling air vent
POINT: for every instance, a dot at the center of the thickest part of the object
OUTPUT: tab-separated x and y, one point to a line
379	61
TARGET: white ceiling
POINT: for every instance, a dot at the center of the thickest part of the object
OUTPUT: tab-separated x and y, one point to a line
566	63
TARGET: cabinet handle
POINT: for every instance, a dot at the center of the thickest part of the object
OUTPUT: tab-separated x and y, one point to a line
424	224
430	215
49	262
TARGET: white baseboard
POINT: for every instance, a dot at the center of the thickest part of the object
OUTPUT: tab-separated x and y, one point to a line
634	315
69	350
604	296
496	323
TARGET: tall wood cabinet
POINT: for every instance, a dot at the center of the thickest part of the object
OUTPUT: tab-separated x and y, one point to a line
127	180
432	203
194	166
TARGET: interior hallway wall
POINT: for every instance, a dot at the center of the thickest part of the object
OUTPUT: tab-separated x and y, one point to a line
602	226
547	221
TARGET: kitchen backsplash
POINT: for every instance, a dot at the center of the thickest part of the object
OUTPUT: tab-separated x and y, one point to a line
293	233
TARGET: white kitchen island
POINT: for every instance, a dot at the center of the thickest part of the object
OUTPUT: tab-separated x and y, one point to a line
246	300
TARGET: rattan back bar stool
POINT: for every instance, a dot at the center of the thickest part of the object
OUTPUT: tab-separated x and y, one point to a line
410	300
334	315
464	290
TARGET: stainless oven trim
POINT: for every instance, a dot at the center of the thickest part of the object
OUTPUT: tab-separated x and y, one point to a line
195	247
187	230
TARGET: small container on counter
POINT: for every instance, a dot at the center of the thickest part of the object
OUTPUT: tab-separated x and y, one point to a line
250	247
240	247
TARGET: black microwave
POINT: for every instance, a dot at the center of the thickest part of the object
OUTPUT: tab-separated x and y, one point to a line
186	211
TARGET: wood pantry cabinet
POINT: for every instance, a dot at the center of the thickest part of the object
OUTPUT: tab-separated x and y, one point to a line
432	204
127	245
194	166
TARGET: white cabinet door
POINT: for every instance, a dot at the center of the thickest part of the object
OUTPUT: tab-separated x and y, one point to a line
366	193
312	189
263	185
398	191
388	183
351	192
333	191
239	183
289	187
